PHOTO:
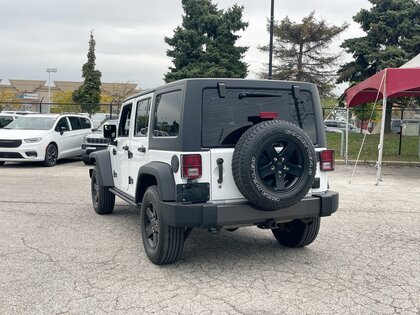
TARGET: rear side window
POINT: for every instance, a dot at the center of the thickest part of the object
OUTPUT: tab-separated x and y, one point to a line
167	114
225	119
75	123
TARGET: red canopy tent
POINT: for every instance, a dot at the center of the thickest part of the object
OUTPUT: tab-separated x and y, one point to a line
389	83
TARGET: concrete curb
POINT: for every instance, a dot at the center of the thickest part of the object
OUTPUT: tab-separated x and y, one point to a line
384	163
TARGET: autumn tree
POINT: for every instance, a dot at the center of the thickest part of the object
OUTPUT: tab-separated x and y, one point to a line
8	100
89	93
301	52
204	46
63	102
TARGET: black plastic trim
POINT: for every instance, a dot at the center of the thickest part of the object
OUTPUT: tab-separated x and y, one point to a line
103	167
206	215
165	181
127	198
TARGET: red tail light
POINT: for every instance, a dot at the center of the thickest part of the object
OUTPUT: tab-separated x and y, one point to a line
269	115
327	160
191	166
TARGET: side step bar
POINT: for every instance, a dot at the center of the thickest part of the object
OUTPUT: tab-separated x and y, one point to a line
127	198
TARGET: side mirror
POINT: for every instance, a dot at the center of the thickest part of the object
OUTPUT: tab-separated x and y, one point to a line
110	132
62	129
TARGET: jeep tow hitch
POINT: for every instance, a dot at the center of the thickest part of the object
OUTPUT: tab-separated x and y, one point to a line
269	224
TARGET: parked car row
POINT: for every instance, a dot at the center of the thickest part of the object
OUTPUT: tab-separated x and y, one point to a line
336	125
47	138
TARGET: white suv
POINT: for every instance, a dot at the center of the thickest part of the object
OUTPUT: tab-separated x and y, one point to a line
43	137
218	154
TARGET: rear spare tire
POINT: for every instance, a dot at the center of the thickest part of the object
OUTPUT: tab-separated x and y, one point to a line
274	164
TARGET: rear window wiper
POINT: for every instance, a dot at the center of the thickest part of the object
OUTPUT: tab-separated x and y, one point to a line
256	94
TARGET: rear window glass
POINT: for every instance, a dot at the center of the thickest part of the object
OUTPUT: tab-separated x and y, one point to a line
226	119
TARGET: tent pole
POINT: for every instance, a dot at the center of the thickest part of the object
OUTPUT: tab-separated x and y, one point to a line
347	136
381	139
381	142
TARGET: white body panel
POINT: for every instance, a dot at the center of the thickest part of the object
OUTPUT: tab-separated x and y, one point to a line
68	143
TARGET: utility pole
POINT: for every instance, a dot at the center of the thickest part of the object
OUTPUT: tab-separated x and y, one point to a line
49	70
270	60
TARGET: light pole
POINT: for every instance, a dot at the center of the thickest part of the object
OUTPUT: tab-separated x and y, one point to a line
270	58
49	70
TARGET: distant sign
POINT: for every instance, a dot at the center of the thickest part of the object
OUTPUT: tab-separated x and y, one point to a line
28	96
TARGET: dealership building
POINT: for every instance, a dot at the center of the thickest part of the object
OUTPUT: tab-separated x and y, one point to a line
33	94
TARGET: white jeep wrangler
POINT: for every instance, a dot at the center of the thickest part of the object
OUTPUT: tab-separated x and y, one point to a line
218	154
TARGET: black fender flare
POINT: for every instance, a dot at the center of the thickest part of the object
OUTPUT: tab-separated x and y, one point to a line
103	168
156	173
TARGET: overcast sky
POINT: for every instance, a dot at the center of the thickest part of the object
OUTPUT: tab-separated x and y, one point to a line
129	35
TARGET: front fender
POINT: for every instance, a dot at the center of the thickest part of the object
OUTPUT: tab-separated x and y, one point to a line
103	168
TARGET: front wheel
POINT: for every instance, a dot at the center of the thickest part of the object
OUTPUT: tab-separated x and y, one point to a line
102	199
51	155
2	163
297	233
87	161
162	243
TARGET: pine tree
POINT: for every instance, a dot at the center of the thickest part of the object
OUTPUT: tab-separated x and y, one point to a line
204	46
392	38
300	52
89	93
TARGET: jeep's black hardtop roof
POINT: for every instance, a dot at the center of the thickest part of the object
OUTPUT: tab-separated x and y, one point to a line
233	82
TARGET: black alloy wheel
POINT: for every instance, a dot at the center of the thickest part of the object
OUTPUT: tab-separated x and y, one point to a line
280	165
152	229
51	155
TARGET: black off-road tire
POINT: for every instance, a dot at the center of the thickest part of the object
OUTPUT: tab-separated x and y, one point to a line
297	233
86	161
51	155
162	243
102	199
274	164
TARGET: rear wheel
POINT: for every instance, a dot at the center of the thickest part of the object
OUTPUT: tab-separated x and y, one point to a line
51	155
162	243
103	201
297	233
2	163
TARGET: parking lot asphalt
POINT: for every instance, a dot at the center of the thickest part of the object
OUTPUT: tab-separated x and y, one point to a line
58	257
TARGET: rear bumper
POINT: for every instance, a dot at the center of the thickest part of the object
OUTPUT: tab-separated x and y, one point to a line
210	215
